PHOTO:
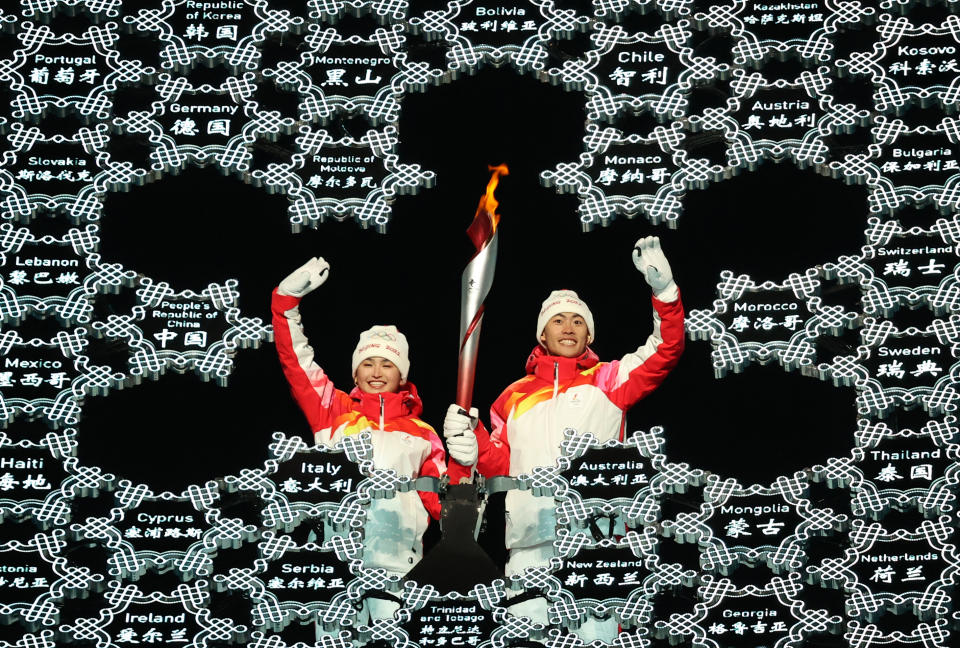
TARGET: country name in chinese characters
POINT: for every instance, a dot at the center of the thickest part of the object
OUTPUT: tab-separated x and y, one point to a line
48	175
463	637
160	532
199	32
924	67
189	127
609	176
337	77
889	472
886	574
756	122
739	527
894	166
457	626
56	379
653	76
742	323
761	622
902	268
451	625
195	338
316	180
317	485
629	579
897	369
784	13
28	473
21	582
31	482
66	74
152	636
297	583
781	120
492	26
605	478
639	174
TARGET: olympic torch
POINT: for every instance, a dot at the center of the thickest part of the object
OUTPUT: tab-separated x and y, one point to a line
475	284
457	562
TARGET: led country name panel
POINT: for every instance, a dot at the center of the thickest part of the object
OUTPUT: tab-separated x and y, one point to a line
191	120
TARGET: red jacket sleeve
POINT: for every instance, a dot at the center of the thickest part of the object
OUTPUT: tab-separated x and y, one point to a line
494	458
310	386
639	373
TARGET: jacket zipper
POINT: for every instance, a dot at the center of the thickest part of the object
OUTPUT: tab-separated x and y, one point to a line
381	413
556	378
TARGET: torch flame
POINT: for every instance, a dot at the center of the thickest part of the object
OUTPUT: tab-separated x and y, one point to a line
485	221
489	203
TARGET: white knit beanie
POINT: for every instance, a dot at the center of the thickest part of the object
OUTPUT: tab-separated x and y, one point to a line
564	301
385	342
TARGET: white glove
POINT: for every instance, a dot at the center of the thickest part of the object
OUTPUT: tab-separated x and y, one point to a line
650	260
458	431
305	278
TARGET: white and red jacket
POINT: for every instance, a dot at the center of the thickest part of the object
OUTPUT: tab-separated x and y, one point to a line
393	534
582	393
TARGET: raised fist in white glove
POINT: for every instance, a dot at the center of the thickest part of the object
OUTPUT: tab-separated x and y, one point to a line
650	260
305	278
458	431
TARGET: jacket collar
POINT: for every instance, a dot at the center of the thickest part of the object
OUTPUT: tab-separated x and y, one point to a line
402	404
541	364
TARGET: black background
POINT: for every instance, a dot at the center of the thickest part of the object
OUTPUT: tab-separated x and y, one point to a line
201	226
